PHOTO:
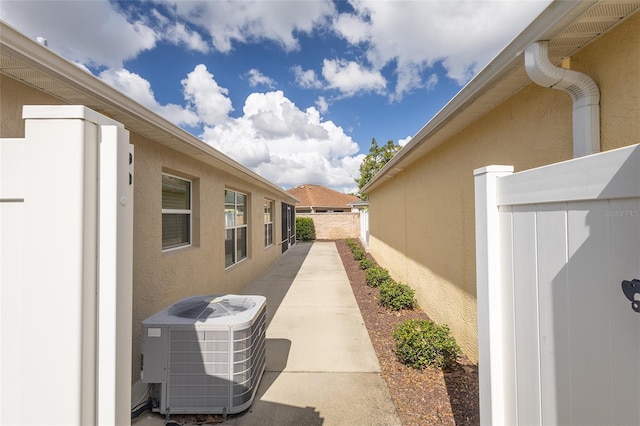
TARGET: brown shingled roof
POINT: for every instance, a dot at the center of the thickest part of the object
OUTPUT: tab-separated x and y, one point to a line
320	196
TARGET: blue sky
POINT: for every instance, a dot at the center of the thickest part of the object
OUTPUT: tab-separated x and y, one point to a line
294	90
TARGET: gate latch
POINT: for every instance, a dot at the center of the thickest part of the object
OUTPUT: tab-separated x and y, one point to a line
630	290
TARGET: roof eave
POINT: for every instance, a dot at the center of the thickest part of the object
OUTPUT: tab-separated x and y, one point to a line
118	106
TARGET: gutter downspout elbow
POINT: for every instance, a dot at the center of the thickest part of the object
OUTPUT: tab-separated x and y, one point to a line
582	89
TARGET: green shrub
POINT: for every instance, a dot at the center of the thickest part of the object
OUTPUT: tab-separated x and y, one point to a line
359	254
421	342
350	243
367	264
397	296
305	229
376	276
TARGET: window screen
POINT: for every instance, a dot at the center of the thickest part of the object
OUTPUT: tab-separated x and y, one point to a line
235	218
176	212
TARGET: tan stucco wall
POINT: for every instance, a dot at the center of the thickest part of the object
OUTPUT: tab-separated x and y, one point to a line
13	95
334	226
160	279
422	221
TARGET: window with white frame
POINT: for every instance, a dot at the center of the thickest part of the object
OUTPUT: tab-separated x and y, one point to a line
236	228
268	222
176	212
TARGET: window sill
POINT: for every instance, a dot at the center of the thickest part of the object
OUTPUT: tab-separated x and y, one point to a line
178	249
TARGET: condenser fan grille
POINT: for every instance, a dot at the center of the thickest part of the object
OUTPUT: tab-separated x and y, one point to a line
203	307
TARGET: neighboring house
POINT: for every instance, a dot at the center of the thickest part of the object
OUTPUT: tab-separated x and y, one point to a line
202	223
319	199
334	214
422	202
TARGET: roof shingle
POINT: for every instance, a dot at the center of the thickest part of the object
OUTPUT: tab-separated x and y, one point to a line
320	196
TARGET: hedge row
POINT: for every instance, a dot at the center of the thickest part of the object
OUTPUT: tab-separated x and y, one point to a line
419	343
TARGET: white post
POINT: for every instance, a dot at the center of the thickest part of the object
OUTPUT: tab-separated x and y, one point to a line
65	270
489	296
115	275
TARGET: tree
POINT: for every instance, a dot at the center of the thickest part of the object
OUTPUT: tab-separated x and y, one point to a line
376	159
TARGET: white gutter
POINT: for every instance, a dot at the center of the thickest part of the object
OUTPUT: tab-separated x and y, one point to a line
583	91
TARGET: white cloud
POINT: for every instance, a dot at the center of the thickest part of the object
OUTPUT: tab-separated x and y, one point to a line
273	137
209	100
245	21
322	104
462	35
403	142
180	34
352	27
307	79
287	145
90	32
256	78
139	89
350	77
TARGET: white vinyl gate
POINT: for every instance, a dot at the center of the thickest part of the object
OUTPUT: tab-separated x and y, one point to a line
559	341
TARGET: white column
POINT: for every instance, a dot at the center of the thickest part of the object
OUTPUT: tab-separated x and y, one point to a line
115	275
489	295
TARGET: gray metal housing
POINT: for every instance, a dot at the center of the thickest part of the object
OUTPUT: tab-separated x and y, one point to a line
205	354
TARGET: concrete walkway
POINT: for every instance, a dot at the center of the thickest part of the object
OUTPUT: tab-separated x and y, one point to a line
321	368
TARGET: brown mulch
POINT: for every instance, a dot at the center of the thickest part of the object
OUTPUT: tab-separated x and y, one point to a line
427	397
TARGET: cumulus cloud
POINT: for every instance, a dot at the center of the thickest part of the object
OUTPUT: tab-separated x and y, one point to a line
206	96
307	79
286	144
246	21
139	89
403	142
416	35
350	77
90	32
273	136
322	104
178	33
256	78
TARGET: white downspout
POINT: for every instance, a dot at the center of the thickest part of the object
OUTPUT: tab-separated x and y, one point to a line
583	91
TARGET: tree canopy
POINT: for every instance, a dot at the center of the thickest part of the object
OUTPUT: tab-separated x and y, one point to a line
374	161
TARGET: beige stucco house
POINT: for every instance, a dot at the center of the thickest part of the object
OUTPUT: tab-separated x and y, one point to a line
202	223
499	117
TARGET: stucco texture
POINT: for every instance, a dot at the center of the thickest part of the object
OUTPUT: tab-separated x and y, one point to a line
13	95
162	278
422	221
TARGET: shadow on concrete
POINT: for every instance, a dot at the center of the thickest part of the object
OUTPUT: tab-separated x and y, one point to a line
276	282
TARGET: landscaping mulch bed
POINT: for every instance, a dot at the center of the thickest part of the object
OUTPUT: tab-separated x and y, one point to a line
422	397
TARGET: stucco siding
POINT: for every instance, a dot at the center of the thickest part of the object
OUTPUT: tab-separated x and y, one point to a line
334	226
13	95
422	221
162	278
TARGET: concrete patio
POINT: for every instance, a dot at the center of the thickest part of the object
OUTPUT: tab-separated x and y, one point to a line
321	368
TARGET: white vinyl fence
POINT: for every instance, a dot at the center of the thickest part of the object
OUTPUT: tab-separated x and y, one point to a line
66	253
559	341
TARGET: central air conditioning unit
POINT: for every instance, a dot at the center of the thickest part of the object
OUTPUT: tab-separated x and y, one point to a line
205	354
